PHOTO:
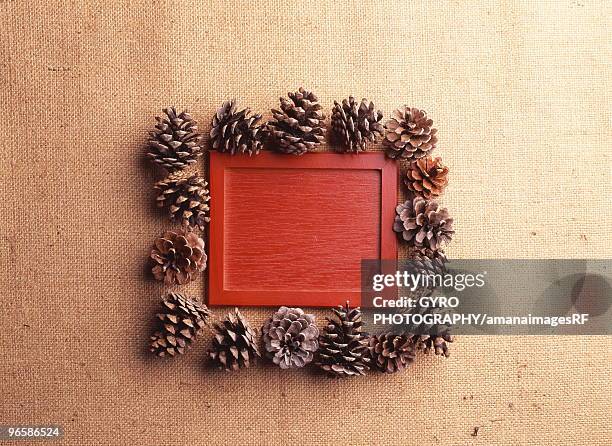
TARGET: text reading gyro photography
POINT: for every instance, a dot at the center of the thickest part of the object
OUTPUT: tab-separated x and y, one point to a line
290	338
494	296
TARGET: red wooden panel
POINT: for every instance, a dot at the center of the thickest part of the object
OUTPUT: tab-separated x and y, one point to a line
289	230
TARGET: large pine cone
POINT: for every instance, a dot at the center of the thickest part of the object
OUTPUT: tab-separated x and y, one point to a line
291	338
181	321
409	134
236	132
186	197
423	223
344	350
175	142
391	353
427	177
354	124
179	256
234	344
298	126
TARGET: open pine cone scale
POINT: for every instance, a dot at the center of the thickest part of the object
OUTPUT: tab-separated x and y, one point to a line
182	320
291	338
410	134
354	124
175	143
236	132
234	343
427	177
186	197
298	126
391	353
178	257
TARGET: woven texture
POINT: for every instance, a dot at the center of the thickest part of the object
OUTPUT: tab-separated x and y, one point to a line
510	86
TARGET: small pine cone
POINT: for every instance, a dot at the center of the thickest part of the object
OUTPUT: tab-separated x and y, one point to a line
236	132
427	335
423	223
179	256
181	321
298	125
427	177
186	197
291	338
409	134
344	348
437	344
354	124
175	142
426	261
391	353
234	344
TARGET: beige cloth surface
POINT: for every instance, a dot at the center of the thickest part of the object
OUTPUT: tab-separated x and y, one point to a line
520	92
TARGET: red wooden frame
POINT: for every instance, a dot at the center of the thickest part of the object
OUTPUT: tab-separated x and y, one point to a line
289	230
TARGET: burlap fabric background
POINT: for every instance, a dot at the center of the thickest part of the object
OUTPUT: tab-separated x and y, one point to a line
521	94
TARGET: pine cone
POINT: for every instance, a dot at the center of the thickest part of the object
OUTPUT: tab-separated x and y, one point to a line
234	344
178	257
181	322
186	197
298	125
427	263
409	134
391	353
175	143
423	223
437	344
291	338
427	177
236	132
427	335
344	350
354	124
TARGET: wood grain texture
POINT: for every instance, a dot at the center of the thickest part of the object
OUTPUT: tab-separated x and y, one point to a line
303	229
293	230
